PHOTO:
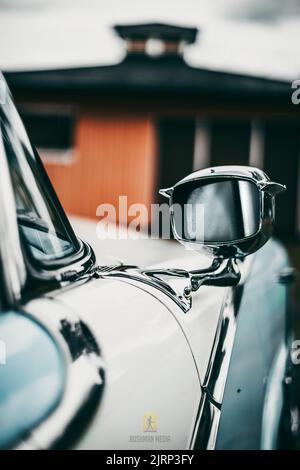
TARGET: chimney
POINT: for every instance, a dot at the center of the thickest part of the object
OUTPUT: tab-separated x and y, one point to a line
156	39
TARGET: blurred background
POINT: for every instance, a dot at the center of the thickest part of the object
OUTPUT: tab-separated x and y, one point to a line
122	97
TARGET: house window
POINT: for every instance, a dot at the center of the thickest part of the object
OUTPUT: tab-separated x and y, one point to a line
202	145
281	163
176	142
52	133
230	142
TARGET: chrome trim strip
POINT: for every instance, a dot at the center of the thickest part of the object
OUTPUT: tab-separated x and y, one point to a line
216	374
207	424
209	414
230	171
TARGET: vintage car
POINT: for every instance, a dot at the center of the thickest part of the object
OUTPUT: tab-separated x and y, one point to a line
188	354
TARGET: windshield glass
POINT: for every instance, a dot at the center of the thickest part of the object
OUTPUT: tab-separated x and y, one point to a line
40	224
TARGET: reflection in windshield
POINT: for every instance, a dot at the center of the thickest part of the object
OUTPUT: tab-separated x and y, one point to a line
39	223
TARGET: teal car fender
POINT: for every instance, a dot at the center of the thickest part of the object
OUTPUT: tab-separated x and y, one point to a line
32	376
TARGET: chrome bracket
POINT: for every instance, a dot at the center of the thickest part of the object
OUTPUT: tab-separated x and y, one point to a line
218	274
175	283
178	284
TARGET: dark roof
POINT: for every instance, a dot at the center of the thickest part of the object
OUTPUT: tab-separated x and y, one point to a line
165	75
157	31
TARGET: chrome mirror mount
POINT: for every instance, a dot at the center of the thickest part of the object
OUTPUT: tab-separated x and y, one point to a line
175	283
178	284
221	273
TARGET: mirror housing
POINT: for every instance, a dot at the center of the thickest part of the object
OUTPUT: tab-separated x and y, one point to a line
237	205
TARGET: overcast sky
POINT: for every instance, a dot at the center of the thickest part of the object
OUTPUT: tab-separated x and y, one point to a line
250	36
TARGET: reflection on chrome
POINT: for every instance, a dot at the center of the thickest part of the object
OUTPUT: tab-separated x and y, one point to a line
84	384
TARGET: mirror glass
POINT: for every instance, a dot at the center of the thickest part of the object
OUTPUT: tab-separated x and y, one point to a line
216	210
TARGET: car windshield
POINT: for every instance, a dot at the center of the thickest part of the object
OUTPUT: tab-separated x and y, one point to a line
40	224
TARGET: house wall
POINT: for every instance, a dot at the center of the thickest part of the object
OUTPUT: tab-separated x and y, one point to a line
113	155
133	147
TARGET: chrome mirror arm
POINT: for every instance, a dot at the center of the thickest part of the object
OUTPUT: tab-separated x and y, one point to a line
217	274
216	263
221	273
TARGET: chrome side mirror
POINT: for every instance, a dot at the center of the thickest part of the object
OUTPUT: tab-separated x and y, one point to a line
227	211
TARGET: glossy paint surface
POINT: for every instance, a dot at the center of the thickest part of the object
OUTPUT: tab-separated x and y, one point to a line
149	367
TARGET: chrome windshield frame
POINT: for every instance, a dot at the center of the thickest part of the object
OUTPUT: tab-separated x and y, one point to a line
18	266
11	254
